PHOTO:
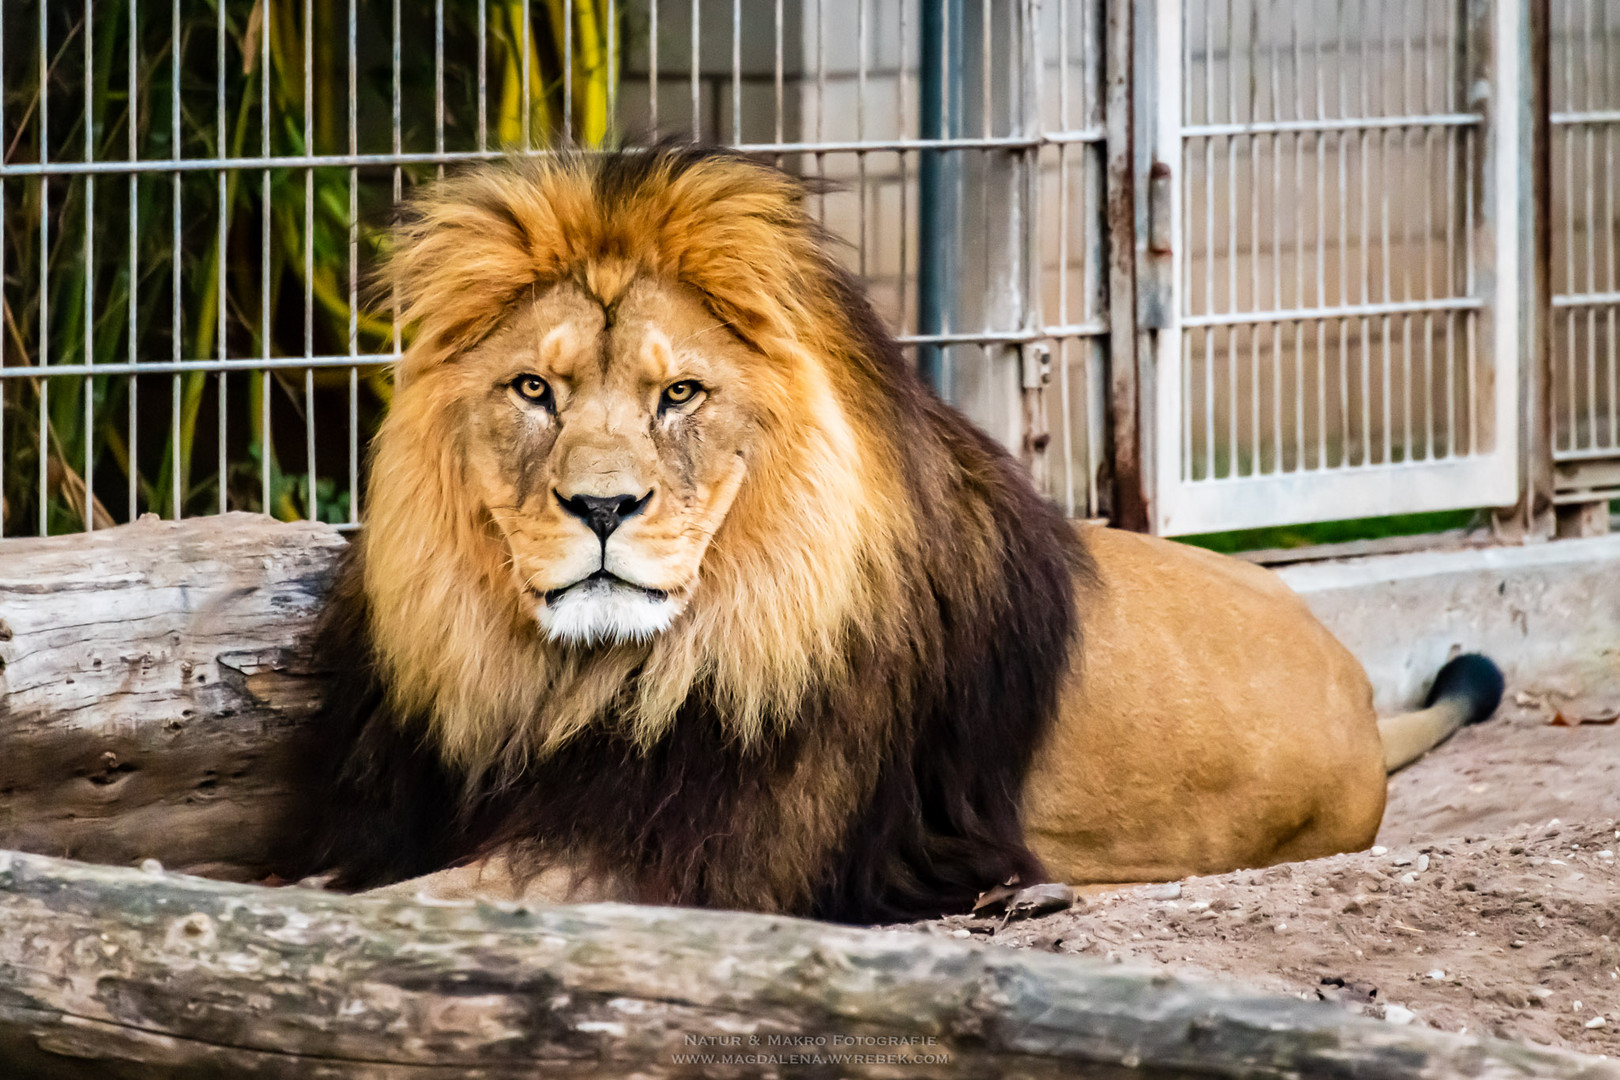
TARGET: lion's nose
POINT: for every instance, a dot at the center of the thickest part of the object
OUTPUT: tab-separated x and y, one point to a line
603	513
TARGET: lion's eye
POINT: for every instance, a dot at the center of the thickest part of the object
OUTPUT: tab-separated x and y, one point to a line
679	393
532	388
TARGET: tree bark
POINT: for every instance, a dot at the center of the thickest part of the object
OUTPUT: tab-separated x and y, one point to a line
127	973
152	680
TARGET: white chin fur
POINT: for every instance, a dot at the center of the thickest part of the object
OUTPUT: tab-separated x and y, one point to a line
602	613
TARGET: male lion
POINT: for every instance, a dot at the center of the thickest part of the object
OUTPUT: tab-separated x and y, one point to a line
676	585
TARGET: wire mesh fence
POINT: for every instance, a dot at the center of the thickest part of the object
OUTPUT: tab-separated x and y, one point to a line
194	192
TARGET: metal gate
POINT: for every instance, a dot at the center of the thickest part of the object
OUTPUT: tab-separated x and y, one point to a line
1585	339
1331	271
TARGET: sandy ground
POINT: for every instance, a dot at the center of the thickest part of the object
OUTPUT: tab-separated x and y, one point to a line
1492	902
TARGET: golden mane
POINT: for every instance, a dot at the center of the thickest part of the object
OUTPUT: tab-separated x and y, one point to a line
808	547
840	719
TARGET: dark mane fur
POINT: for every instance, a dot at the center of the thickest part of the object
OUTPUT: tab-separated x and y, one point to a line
937	727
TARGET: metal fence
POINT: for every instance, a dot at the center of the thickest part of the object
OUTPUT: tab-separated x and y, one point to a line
1205	265
1585	104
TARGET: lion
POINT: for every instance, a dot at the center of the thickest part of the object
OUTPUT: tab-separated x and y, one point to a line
677	585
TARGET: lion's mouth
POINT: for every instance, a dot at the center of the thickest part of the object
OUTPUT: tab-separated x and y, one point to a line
603	579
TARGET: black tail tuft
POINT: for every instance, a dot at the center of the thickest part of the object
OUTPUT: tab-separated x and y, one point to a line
1475	679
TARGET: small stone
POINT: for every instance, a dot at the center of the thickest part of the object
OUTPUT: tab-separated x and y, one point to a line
1516	944
1605	854
1169	891
960	934
1437	973
1398	1014
1280	928
151	866
1422	863
1378	849
1408	878
1404	860
1198	905
1596	1022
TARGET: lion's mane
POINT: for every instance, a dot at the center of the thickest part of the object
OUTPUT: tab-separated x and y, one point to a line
842	721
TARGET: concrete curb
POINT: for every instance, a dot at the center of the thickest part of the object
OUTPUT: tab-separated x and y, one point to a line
1548	613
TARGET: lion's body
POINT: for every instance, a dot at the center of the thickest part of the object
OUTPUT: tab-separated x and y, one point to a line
1211	722
677	585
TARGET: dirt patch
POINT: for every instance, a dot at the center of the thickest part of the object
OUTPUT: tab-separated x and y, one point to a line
1478	912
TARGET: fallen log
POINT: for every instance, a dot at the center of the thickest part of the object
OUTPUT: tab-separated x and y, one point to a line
119	972
153	678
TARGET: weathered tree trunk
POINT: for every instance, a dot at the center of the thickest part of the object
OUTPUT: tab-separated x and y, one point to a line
152	678
119	972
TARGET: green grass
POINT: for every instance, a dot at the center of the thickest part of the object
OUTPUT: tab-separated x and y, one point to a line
1333	532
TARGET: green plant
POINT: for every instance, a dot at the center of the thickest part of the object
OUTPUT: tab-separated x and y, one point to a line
52	276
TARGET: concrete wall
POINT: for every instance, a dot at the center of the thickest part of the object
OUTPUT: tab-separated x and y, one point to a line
1549	614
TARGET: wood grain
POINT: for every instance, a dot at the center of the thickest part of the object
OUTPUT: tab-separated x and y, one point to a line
152	677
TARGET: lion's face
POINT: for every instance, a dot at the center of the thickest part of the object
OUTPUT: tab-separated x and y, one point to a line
607	445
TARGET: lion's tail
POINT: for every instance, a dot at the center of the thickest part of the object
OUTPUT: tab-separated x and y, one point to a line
1466	691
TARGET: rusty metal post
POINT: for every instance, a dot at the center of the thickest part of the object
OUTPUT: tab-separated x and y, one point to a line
1127	485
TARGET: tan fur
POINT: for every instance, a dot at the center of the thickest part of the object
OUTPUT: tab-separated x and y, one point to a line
1411	735
1211	723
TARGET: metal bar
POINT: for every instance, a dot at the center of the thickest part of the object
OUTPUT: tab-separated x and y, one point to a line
1593	116
938	180
222	258
454	157
1315	126
266	439
1231	246
175	259
89	269
1344	311
527	81
696	73
736	73
568	72
860	135
438	76
1129	495
354	228
3	337
1591	226
483	74
311	492
133	103
373	360
42	348
1586	300
1612	279
1383	221
1209	247
1066	433
778	72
